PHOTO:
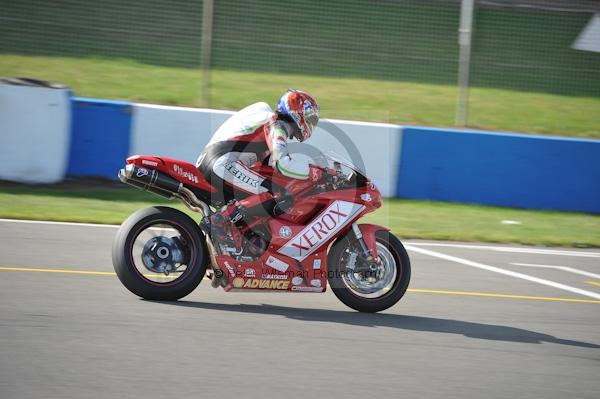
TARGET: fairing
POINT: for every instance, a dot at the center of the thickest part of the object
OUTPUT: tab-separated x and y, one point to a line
296	257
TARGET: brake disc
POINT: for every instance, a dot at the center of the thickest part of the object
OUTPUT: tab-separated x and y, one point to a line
163	254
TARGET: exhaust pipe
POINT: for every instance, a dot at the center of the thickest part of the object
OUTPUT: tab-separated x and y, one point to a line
150	180
161	184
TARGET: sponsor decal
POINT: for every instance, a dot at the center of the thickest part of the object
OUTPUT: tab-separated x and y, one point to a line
277	264
307	289
240	175
315	283
149	163
317	264
250	273
238	282
274	276
366	197
141	172
188	175
285	232
297	280
237	217
321	229
230	269
266	284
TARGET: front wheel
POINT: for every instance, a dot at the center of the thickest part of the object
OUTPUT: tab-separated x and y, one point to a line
160	253
369	287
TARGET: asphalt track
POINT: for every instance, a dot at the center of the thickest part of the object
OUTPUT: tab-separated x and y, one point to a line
479	321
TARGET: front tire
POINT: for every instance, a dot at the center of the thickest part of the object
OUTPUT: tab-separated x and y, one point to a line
366	297
136	265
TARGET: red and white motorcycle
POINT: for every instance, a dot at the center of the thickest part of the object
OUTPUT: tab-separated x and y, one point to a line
161	253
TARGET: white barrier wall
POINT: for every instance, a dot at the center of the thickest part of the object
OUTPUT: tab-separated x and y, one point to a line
182	133
375	147
175	132
34	133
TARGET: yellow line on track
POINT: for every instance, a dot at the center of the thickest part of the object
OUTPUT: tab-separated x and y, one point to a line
70	271
485	294
464	293
29	269
596	283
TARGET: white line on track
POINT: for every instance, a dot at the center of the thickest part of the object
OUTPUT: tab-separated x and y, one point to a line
113	226
417	244
503	271
522	250
563	268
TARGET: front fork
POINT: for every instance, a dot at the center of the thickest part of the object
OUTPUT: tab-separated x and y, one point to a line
366	236
369	254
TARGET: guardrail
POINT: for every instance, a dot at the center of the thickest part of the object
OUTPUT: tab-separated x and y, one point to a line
512	170
105	132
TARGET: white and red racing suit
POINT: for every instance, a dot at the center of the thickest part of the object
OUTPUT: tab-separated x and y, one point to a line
251	135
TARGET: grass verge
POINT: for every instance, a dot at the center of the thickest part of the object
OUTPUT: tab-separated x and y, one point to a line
407	219
344	98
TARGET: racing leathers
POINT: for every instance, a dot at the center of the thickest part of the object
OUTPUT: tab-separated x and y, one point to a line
254	134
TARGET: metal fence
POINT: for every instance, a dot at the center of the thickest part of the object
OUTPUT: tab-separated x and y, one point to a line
524	45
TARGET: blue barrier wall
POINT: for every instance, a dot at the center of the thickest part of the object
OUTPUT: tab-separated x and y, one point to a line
500	169
100	135
536	172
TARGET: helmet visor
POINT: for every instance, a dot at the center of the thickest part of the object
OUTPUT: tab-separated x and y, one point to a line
310	119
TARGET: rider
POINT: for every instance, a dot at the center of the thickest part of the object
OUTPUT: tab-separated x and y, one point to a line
249	136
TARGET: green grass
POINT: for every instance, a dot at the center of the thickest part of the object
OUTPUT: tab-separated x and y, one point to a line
407	219
416	41
345	98
460	222
379	60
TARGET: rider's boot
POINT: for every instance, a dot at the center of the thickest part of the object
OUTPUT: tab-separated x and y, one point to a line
234	216
218	223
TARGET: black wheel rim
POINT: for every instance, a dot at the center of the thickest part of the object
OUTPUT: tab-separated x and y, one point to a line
162	252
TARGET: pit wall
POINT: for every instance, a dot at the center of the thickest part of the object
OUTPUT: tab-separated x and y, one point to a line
500	169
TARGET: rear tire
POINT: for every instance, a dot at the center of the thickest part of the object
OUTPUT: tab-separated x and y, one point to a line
125	265
353	299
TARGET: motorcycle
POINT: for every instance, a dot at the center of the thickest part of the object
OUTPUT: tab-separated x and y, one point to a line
161	253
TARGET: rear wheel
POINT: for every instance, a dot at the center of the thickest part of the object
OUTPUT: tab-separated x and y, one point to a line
369	286
160	253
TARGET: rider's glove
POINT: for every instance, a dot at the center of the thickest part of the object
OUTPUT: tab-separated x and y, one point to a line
316	174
